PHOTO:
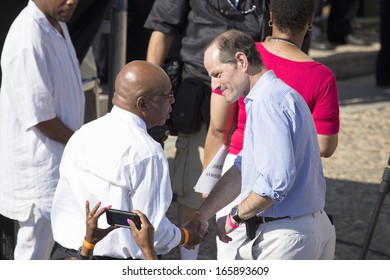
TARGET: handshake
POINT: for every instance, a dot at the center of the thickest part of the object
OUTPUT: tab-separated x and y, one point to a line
195	230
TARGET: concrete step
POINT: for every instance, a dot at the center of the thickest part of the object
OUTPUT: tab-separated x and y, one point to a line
348	61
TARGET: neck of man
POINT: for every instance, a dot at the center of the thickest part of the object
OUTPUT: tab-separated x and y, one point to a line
255	73
41	6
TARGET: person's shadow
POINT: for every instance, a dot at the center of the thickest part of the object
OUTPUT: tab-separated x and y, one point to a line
352	205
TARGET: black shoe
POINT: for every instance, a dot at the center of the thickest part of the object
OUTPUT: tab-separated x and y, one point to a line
322	45
352	40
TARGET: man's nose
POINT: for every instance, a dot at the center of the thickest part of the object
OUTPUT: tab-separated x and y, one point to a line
71	2
215	85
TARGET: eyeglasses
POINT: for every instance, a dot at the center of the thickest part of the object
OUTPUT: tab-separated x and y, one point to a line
169	95
229	10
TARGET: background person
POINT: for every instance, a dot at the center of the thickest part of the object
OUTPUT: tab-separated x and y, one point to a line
382	73
319	38
340	23
41	105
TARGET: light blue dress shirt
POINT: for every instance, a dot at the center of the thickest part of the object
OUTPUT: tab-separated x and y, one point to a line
280	157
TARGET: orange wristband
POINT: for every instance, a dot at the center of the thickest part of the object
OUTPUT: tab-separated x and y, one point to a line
186	236
88	245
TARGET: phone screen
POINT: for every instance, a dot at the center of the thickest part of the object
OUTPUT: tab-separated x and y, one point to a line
119	218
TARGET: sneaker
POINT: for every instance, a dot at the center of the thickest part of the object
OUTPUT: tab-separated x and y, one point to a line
323	45
352	40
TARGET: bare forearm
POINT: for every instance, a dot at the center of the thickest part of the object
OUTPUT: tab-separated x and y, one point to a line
56	130
252	205
86	252
159	47
214	141
328	144
224	192
222	119
149	254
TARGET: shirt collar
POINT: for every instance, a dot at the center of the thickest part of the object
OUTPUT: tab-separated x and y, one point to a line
259	86
128	117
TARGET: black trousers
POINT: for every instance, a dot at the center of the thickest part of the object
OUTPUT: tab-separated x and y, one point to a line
61	253
383	60
341	15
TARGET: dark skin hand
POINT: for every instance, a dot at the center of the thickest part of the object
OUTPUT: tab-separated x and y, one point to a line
145	236
93	233
197	230
56	130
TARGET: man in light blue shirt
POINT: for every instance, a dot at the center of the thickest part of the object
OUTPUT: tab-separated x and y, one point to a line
278	174
281	156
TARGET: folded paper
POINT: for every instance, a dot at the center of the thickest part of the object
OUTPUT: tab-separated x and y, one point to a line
212	173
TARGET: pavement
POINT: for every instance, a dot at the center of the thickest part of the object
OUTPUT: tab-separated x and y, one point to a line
354	173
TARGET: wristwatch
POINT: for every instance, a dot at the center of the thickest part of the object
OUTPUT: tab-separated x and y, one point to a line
234	215
82	257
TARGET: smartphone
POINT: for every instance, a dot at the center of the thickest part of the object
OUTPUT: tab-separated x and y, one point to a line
119	218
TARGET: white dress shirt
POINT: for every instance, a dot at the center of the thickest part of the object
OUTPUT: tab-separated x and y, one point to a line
114	160
41	80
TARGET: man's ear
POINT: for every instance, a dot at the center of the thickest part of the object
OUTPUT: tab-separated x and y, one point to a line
141	104
242	60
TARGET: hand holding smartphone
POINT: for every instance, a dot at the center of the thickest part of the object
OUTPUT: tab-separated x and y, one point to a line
119	218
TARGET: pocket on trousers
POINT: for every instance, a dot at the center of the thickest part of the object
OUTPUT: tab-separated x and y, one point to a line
179	164
187	109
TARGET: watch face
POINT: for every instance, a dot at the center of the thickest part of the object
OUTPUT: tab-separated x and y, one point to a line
234	214
234	211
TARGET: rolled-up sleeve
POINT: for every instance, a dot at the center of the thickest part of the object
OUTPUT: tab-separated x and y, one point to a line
271	171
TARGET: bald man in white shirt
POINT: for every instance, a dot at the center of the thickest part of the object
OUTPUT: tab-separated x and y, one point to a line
113	160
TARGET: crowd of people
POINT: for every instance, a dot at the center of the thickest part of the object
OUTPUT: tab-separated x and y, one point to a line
240	85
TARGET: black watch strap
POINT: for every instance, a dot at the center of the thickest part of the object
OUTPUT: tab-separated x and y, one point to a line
235	215
82	257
